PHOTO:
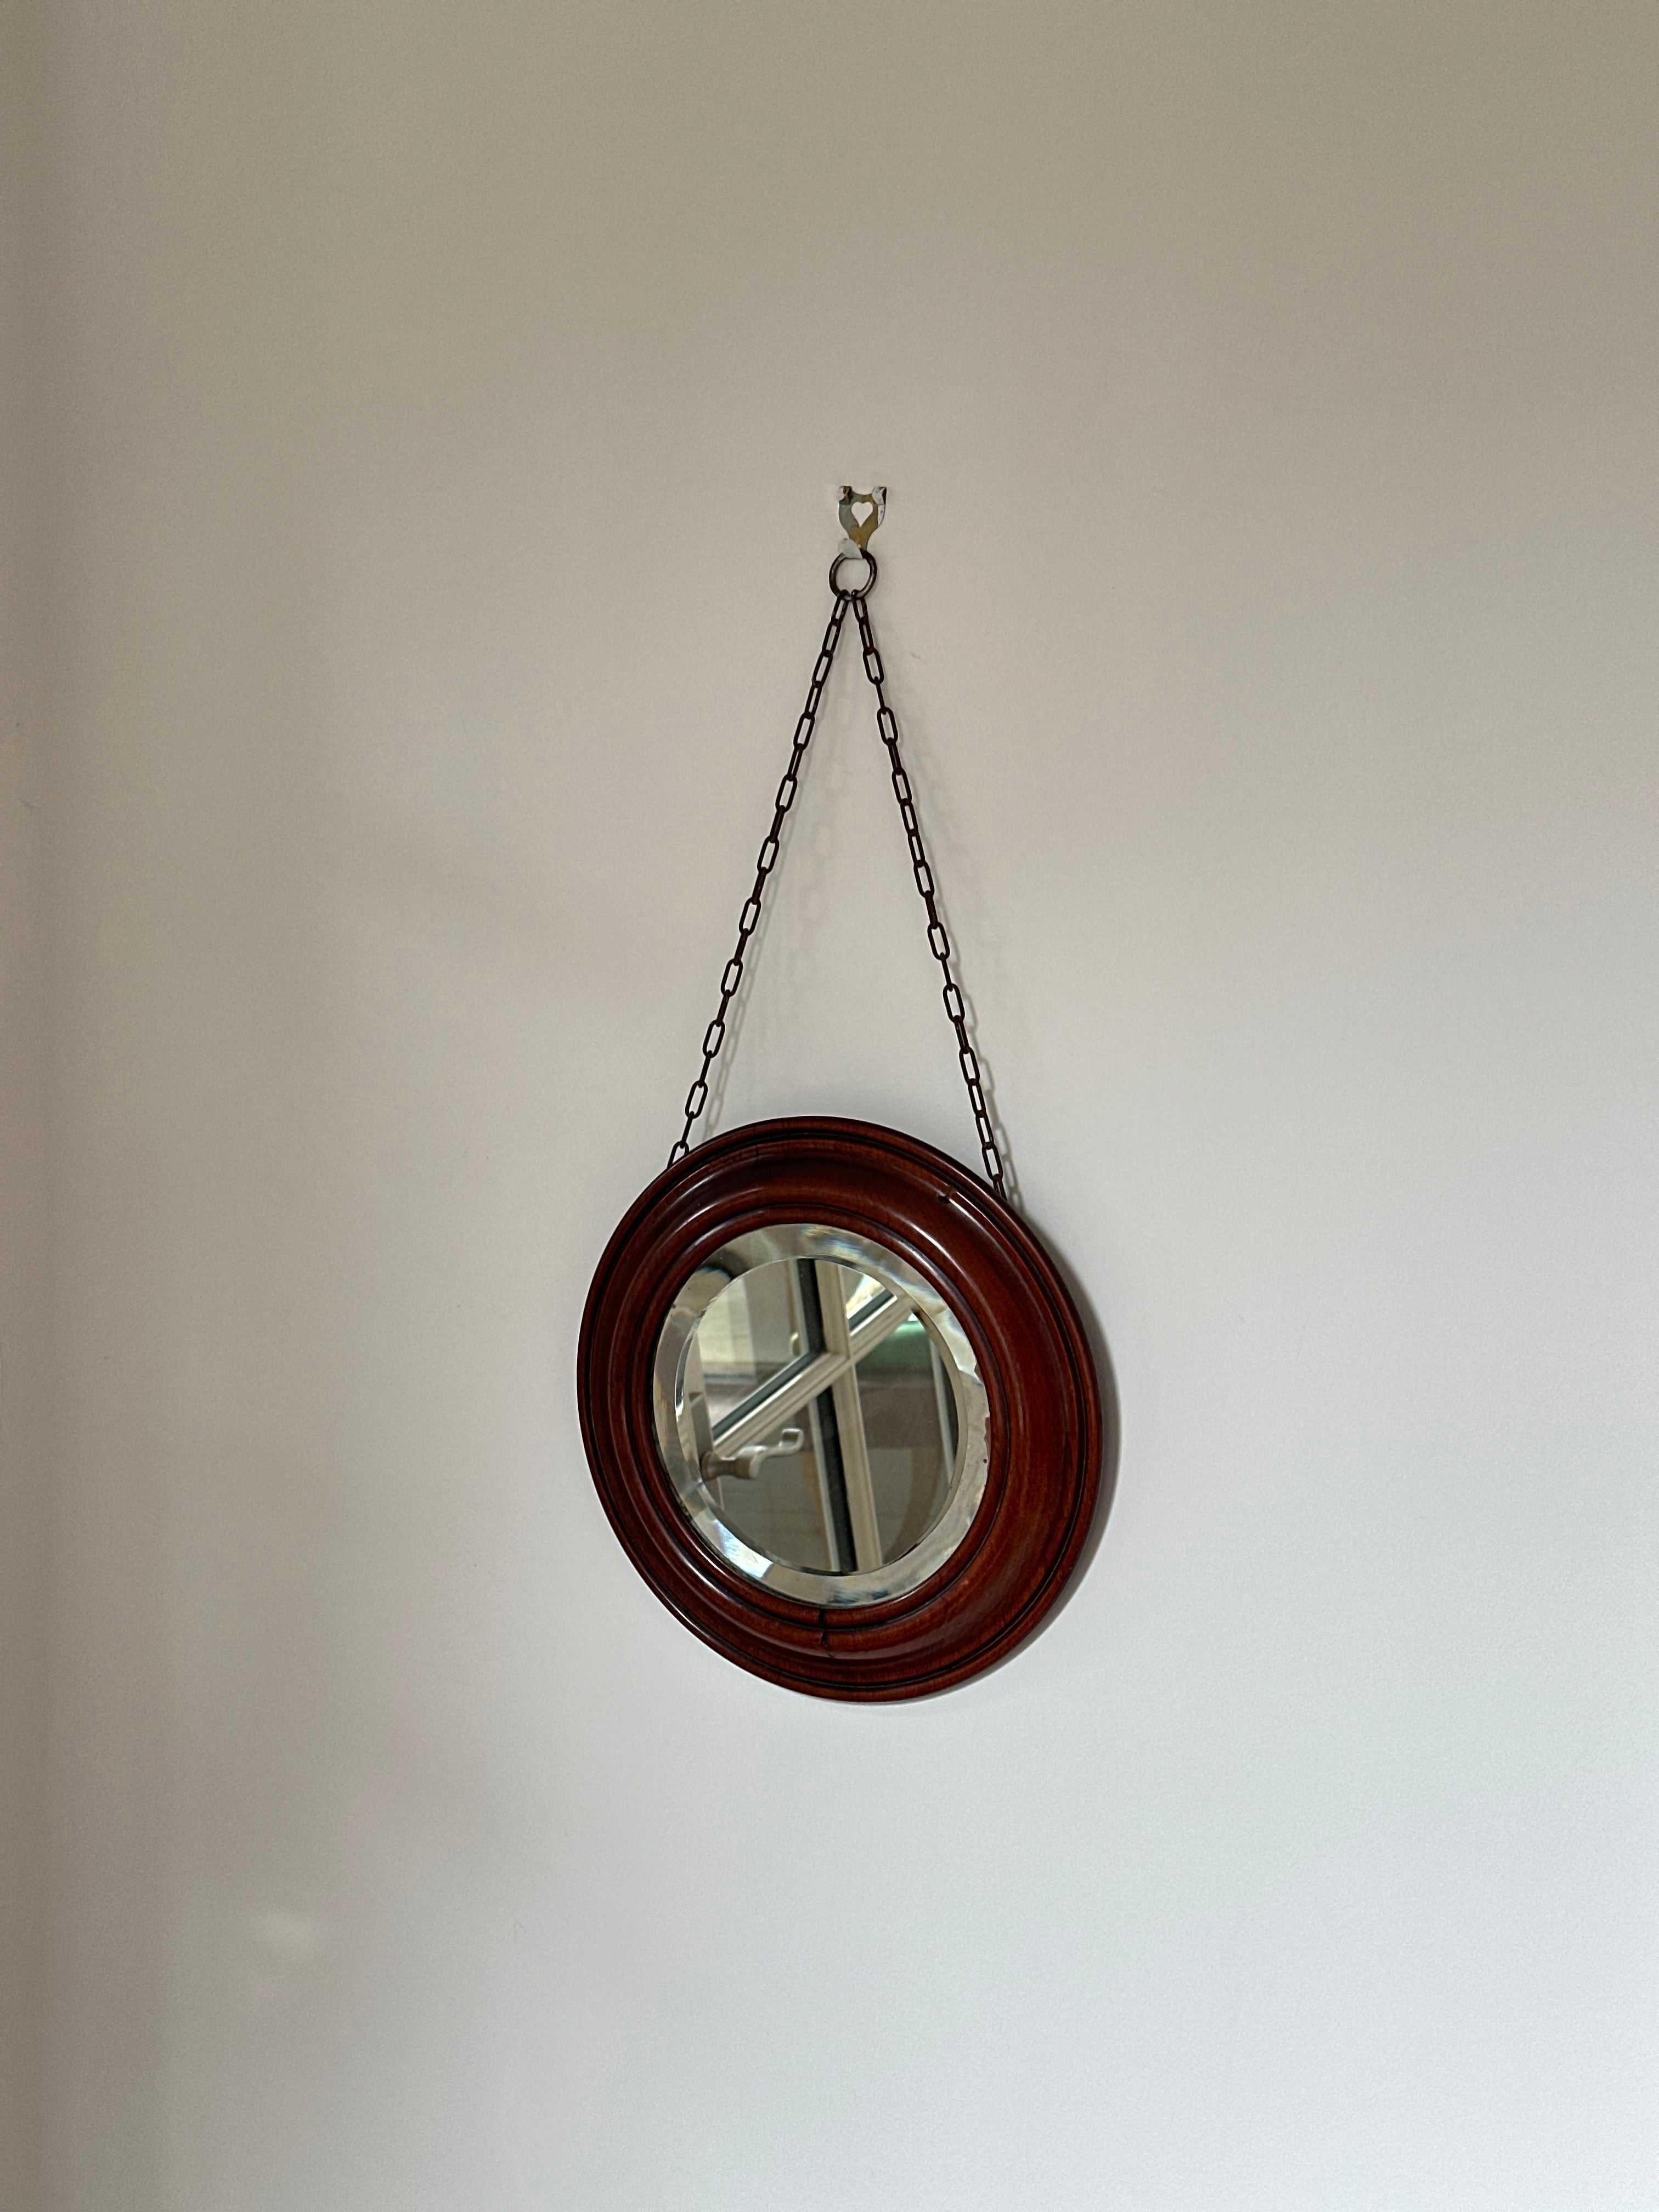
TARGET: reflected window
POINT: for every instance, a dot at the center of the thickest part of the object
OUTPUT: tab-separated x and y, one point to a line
818	1407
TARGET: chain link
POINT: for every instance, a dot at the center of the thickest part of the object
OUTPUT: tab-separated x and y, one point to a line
714	1037
939	942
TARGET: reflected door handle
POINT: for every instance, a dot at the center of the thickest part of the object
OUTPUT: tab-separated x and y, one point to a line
747	1460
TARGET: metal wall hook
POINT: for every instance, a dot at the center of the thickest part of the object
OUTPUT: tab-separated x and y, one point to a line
862	528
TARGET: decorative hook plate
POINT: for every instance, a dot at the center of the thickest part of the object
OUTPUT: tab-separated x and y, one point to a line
862	528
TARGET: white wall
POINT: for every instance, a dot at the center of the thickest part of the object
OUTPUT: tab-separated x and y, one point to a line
24	1487
451	399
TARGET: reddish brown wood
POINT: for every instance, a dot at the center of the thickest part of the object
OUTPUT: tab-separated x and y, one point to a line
1043	1400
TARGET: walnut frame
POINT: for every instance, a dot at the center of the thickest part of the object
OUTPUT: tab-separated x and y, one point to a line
1045	1425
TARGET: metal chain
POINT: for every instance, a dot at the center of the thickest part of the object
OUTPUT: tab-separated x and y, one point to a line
714	1037
939	942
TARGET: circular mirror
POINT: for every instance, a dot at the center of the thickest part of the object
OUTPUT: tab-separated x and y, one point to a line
840	1409
820	1414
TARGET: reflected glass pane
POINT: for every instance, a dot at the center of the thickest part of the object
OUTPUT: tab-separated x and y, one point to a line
749	1334
909	1430
810	1408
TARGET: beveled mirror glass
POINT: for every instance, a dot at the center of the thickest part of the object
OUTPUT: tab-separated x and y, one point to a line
821	1416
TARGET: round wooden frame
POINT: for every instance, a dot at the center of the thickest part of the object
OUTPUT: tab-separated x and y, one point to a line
1044	1419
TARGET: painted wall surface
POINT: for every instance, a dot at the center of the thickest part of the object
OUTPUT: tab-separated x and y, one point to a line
24	1487
449	405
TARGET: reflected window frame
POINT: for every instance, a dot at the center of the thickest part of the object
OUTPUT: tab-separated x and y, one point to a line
683	1449
838	1318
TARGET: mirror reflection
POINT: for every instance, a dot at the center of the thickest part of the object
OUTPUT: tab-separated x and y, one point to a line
818	1408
